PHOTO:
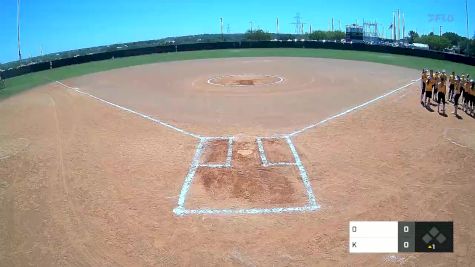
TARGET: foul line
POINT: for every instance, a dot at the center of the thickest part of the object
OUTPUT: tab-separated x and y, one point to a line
195	164
452	141
352	109
132	111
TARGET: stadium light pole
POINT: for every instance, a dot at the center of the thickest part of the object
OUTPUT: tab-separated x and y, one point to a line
222	35
403	26
468	33
18	29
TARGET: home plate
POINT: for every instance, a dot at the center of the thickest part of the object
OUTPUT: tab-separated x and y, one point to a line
244	152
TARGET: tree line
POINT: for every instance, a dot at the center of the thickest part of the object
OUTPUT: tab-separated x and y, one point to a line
260	35
448	40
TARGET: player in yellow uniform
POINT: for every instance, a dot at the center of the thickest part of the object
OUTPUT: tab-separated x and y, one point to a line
441	94
471	97
429	86
457	91
451	86
466	94
423	84
436	89
462	83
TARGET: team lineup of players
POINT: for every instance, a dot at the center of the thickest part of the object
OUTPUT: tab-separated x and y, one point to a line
434	86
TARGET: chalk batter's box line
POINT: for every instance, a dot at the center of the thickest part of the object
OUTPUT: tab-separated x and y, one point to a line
246	211
229	153
263	156
312	205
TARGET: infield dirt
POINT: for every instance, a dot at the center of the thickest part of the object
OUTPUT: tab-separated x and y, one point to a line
85	184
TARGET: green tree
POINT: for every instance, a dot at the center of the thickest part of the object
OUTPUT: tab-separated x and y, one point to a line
413	35
453	37
317	35
326	35
285	37
435	42
258	35
467	46
335	35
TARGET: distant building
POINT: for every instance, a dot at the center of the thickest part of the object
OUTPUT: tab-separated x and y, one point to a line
354	33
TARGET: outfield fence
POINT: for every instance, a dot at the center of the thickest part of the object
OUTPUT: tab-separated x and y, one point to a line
13	72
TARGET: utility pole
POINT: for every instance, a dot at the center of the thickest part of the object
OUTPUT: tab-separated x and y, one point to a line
302	27
398	25
277	26
394	26
250	25
332	26
18	29
440	30
222	35
403	26
468	34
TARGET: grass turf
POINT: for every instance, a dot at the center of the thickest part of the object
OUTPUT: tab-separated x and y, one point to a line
18	84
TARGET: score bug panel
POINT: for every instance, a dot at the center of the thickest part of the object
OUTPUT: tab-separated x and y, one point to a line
400	236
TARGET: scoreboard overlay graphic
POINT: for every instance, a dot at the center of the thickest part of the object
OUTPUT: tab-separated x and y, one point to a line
404	236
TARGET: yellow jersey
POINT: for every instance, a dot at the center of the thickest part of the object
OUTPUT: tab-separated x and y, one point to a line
467	85
430	82
424	77
457	87
442	87
444	75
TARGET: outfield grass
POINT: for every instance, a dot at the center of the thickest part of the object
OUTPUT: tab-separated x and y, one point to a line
24	82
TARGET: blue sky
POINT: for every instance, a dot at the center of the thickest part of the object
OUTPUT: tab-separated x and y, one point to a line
58	25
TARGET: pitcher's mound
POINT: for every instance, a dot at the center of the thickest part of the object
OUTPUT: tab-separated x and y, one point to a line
245	80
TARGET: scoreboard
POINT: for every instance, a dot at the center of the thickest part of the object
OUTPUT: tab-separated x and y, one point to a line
404	236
